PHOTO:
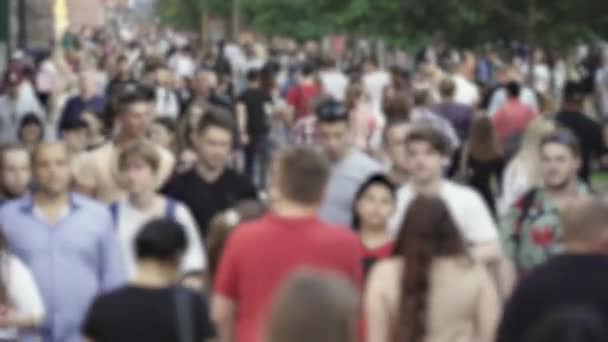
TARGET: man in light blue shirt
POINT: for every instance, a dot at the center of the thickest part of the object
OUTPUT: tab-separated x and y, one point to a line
350	167
67	241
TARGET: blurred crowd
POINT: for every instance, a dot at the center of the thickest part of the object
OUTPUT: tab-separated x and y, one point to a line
155	188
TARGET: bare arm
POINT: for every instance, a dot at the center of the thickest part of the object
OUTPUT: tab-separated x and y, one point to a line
223	314
241	116
488	310
498	264
377	315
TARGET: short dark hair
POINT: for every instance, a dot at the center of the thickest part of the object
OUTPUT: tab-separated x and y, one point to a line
161	239
72	125
375	179
307	69
447	88
565	137
513	89
253	75
216	118
431	136
168	123
330	111
573	92
303	174
128	95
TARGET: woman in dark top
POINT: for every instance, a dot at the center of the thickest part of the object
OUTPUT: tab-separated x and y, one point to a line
484	160
152	308
373	206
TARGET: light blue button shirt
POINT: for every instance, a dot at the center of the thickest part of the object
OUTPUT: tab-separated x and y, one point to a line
72	261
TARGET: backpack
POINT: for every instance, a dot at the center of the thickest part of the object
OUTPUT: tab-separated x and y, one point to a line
170	209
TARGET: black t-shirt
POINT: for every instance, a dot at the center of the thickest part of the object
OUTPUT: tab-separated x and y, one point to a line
144	314
590	135
205	199
255	101
564	281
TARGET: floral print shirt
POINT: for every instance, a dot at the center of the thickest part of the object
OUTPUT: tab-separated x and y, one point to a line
532	239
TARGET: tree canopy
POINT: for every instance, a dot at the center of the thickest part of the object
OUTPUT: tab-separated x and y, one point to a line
411	23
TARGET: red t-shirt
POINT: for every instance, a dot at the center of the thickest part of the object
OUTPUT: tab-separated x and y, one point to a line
512	118
301	97
262	253
370	256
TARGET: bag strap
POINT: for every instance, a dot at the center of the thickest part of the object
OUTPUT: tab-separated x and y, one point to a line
114	213
462	162
171	208
185	322
526	204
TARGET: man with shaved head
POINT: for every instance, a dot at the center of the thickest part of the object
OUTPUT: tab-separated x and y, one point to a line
66	240
577	277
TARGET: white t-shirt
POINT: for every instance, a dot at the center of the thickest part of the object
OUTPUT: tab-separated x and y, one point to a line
167	104
334	84
467	92
374	84
466	206
22	293
129	222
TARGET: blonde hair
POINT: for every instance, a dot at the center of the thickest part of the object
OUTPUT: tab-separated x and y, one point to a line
529	151
141	149
312	306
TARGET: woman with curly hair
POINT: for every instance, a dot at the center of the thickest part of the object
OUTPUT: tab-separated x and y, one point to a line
431	290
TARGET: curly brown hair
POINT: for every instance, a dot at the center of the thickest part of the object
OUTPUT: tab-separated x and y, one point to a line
428	231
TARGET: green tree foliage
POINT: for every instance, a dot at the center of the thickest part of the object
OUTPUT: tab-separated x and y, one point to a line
412	23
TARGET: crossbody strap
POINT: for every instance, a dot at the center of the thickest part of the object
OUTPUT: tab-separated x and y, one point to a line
185	323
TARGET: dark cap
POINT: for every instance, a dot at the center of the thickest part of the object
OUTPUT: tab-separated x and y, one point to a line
331	110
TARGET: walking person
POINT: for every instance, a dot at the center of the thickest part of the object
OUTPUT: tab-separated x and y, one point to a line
211	186
152	307
293	236
55	231
138	165
373	207
432	291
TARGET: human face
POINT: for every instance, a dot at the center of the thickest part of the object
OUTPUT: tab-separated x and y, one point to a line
334	138
395	146
213	146
200	84
138	176
375	207
161	136
76	140
425	163
31	134
559	166
16	172
135	122
51	169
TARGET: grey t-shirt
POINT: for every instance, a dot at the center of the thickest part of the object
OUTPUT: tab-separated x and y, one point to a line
346	177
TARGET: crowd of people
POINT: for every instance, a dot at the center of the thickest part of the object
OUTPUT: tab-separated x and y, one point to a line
155	189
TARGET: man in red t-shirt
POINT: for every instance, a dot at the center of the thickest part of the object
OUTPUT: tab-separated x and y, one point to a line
301	96
261	254
514	116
